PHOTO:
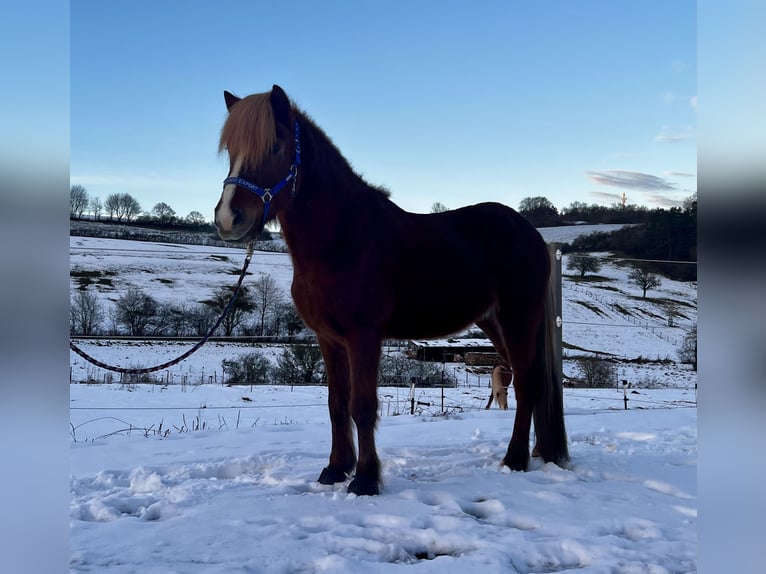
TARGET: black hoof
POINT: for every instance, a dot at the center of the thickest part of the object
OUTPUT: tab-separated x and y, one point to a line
364	487
517	460
331	476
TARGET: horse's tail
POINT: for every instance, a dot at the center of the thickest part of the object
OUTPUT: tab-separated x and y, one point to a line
550	432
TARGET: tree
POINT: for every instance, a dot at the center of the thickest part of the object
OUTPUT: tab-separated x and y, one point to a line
597	372
300	365
171	319
96	208
200	318
195	218
85	314
250	369
688	351
267	298
164	213
643	279
130	206
78	201
289	319
539	211
112	206
122	206
438	208
583	263
136	310
243	305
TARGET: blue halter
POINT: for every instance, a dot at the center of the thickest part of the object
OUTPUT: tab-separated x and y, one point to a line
268	194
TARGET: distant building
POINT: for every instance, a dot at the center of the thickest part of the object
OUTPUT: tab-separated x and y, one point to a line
454	350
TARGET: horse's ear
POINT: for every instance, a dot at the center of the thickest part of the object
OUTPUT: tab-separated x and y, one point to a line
280	103
230	99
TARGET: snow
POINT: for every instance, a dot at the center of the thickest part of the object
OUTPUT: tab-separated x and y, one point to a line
205	478
241	495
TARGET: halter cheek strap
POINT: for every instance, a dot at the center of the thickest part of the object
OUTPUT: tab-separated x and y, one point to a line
267	194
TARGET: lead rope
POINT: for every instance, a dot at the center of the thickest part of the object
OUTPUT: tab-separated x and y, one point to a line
87	357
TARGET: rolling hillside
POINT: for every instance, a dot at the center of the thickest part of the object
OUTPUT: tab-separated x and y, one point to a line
603	314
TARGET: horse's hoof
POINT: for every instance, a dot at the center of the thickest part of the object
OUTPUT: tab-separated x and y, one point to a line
517	460
364	487
331	476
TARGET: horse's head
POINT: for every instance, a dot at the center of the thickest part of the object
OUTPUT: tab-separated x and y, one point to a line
261	138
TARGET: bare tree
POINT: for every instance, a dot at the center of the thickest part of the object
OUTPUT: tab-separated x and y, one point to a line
438	208
300	365
122	206
597	372
85	313
688	351
240	308
267	297
288	318
78	201
136	310
539	211
96	208
200	319
643	279
130	206
583	263
112	206
195	218
164	213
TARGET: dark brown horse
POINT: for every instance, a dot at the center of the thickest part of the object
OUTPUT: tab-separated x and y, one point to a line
365	270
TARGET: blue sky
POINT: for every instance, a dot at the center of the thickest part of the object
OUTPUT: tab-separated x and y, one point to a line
455	102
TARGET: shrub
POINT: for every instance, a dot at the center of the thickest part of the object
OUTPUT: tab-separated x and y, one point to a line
300	365
250	369
597	372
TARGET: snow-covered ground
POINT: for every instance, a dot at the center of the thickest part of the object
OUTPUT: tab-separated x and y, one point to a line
149	494
194	478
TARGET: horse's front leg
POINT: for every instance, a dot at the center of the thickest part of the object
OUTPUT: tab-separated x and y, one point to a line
364	354
342	454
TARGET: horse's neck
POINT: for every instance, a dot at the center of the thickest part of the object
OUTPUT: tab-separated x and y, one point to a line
329	193
314	221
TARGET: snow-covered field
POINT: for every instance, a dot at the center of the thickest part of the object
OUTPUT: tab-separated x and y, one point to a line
205	478
151	495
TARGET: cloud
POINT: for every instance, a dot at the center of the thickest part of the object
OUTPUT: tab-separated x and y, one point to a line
670	173
630	180
610	197
693	103
671	135
662	201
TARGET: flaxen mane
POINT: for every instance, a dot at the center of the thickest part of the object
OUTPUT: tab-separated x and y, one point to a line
249	130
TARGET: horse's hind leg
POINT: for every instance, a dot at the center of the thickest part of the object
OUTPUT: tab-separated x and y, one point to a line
512	328
342	454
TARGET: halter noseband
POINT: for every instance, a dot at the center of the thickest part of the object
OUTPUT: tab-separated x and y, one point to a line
267	194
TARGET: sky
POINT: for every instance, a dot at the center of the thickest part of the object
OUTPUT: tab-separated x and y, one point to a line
449	102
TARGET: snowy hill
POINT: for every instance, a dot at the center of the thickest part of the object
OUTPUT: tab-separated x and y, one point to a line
605	317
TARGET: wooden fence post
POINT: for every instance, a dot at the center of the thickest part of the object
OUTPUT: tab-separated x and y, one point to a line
555	255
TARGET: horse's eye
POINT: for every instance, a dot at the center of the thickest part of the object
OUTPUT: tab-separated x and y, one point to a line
275	149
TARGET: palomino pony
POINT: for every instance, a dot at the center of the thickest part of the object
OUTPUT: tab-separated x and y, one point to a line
365	270
501	380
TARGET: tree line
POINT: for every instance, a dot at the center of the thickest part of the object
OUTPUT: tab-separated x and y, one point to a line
124	208
665	237
262	309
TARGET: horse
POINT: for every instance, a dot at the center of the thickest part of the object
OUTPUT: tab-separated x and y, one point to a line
501	380
365	270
